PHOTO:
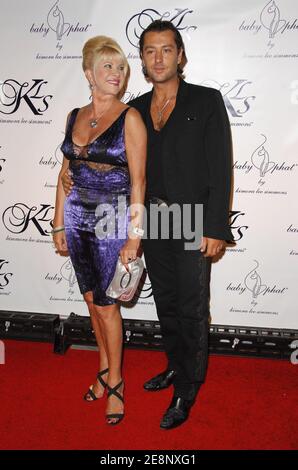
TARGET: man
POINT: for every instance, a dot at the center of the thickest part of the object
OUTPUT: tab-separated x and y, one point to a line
188	162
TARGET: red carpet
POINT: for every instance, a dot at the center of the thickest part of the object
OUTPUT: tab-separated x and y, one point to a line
245	404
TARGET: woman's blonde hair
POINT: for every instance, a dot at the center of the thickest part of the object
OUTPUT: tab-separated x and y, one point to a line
101	46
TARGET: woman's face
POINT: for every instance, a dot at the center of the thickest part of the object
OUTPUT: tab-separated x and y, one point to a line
108	75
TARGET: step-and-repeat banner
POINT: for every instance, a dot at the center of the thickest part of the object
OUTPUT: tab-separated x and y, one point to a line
247	50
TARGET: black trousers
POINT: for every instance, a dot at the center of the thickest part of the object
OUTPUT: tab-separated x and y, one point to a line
180	282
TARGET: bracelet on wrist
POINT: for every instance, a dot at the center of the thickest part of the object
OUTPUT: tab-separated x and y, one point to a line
136	231
61	228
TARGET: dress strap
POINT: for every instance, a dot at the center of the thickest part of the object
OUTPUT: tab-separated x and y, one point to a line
124	112
71	120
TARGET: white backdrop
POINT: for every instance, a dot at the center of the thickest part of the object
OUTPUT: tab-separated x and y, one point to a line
248	50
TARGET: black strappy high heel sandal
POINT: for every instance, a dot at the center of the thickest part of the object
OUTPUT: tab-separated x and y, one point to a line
90	392
118	416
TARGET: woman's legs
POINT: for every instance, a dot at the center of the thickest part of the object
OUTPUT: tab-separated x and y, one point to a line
97	388
111	327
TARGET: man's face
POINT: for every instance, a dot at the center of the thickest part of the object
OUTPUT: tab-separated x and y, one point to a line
160	56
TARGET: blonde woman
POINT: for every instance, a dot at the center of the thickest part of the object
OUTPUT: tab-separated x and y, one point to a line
105	151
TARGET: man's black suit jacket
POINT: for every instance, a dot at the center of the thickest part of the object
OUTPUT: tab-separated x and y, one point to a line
196	154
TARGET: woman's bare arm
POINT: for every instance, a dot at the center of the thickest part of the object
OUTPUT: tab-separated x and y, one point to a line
136	150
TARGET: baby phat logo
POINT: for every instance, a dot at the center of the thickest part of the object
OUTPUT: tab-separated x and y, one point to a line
68	274
56	22
253	282
271	20
138	22
262	162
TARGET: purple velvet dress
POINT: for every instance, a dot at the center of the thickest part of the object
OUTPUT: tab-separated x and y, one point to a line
95	212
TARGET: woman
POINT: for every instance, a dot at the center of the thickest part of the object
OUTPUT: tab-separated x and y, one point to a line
105	150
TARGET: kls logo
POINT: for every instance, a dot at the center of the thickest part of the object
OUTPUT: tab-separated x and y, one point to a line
235	225
13	94
4	276
129	95
18	217
56	22
236	99
140	21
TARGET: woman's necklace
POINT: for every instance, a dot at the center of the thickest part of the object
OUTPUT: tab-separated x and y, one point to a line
94	121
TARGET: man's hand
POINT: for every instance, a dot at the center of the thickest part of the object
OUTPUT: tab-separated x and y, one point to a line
67	182
212	246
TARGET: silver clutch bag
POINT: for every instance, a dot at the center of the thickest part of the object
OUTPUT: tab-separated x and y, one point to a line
125	283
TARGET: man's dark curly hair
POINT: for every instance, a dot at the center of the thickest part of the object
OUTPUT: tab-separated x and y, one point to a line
160	26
